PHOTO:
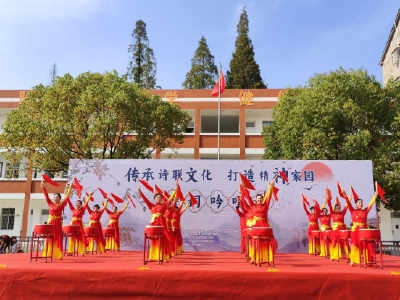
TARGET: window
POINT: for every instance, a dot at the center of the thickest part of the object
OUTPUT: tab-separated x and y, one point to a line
7	218
250	124
12	171
266	123
190	128
395	214
229	121
395	57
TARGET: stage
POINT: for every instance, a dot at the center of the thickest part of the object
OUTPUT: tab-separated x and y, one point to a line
195	275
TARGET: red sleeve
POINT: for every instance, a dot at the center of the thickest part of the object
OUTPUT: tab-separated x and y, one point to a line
330	206
46	195
344	211
239	212
125	207
351	209
71	207
89	209
246	206
108	211
305	209
148	203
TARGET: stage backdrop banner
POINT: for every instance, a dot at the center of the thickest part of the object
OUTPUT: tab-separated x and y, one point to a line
213	224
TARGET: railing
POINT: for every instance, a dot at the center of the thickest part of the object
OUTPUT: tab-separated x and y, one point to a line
391	248
25	242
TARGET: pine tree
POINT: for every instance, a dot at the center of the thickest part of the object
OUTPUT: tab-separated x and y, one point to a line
244	71
142	68
203	72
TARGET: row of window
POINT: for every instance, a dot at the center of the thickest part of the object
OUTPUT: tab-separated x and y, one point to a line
7	218
228	124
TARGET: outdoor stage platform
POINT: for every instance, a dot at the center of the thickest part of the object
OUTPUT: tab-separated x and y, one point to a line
195	275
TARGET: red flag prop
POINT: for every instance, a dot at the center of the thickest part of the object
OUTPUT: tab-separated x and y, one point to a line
337	201
116	198
283	175
111	202
49	180
157	190
91	198
355	196
214	92
194	200
179	194
146	185
246	182
103	193
78	188
328	192
340	190
275	191
380	191
166	195
132	201
305	199
245	192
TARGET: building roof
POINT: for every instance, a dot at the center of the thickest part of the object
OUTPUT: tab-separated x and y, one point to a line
396	23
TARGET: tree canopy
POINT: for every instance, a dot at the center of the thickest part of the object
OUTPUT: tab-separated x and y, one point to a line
92	116
203	72
340	115
244	71
142	68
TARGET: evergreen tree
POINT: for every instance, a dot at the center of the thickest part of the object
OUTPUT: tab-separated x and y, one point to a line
244	71
203	72
142	68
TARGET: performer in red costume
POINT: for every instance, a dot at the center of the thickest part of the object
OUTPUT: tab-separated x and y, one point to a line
114	223
176	224
338	224
248	211
95	216
325	221
242	216
170	245
158	219
359	218
313	225
260	219
77	214
56	210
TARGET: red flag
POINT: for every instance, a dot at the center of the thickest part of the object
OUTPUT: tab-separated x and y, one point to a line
103	193
340	190
146	185
380	191
337	201
166	195
194	200
157	190
179	194
49	180
91	198
116	198
283	175
328	192
305	199
355	196
132	201
111	202
246	182
214	92
275	191
78	188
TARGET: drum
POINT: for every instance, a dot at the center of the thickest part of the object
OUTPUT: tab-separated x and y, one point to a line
109	231
344	234
326	234
369	234
262	232
154	230
91	230
316	233
44	229
71	229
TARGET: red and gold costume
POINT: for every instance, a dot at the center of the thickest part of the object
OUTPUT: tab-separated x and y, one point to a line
260	219
313	225
176	224
158	219
325	221
95	222
55	218
77	215
338	224
359	218
247	209
170	245
114	223
242	216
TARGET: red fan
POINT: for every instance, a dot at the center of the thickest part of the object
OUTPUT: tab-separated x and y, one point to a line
49	180
132	201
246	182
194	200
283	175
116	198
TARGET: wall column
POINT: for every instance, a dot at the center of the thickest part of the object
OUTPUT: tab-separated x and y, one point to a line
197	118
242	129
28	189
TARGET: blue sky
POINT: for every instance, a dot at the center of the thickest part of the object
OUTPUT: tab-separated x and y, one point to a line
293	39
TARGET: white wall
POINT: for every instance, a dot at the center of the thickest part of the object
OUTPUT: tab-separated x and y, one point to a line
257	116
385	224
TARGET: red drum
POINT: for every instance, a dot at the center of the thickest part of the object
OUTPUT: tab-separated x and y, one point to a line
91	230
316	233
71	229
44	229
154	230
108	231
369	234
326	233
344	234
262	232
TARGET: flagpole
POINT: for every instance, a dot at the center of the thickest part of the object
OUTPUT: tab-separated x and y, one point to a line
219	106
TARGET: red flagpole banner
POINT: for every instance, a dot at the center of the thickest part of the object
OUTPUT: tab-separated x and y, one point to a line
49	180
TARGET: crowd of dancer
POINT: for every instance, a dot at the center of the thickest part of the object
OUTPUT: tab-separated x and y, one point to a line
359	221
